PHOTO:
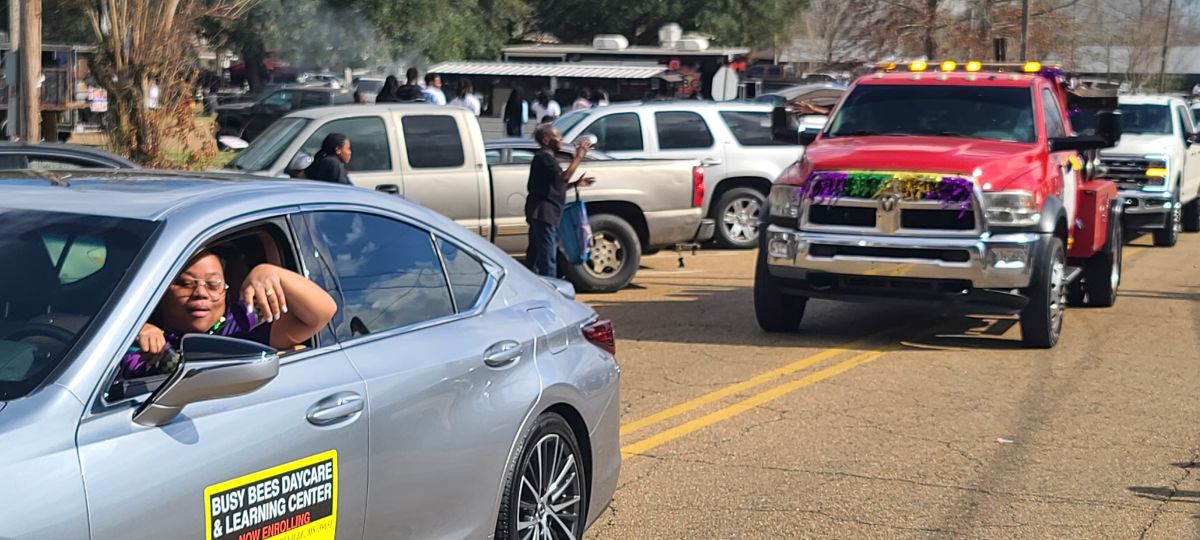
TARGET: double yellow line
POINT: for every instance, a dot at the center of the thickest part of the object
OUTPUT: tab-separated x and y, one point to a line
756	400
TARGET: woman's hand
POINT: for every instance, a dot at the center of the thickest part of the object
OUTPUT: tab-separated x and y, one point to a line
263	291
151	340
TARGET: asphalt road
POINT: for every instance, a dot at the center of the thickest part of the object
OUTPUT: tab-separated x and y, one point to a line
886	422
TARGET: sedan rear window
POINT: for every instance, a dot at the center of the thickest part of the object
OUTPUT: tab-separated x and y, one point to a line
70	266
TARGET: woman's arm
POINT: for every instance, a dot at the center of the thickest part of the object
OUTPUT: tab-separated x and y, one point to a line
296	306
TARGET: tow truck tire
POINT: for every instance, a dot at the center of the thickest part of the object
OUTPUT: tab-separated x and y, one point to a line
1102	272
737	214
614	260
776	312
1041	320
1191	216
1168	236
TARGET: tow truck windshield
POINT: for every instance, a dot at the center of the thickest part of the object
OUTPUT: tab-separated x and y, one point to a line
996	113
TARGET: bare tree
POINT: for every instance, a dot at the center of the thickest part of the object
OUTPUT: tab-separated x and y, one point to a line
146	60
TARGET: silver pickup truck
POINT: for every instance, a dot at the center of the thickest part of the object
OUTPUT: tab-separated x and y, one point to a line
436	156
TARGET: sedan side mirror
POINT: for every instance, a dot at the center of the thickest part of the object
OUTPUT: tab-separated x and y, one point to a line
213	367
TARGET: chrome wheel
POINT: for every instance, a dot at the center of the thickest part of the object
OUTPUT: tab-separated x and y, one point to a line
550	493
1115	278
740	219
607	255
1058	296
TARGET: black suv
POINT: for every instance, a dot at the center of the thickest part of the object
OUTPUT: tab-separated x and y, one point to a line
248	120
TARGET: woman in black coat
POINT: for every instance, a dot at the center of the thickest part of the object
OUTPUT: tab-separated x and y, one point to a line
329	164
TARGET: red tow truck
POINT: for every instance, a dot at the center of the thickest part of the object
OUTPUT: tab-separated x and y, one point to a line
969	186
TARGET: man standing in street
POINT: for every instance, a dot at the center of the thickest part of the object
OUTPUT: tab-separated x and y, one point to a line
547	189
433	89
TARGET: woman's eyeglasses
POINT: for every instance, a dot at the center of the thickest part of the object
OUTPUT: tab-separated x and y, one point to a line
213	286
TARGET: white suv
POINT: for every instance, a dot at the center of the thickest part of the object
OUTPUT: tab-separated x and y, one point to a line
1157	166
732	140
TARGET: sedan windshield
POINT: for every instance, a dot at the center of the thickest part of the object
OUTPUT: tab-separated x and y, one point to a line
266	149
62	270
1145	119
977	112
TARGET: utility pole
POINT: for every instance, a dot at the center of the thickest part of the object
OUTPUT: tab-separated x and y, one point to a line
12	73
31	69
1162	68
1024	30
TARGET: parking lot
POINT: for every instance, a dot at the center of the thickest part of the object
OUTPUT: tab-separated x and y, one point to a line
892	422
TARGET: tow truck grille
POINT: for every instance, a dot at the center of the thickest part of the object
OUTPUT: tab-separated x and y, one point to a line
1127	172
866	216
954	220
844	216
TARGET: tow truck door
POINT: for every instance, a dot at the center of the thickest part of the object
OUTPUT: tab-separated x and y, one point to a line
1061	170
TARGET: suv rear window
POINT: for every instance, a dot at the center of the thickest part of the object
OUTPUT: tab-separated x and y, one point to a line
680	129
750	128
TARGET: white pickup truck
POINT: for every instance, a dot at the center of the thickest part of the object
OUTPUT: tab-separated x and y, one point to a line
1157	166
732	140
436	156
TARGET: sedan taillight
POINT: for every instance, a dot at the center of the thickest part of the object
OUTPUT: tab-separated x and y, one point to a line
600	333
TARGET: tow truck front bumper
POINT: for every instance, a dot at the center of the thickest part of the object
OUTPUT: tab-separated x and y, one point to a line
1146	209
981	269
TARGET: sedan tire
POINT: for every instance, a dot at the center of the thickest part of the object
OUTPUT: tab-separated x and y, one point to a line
546	492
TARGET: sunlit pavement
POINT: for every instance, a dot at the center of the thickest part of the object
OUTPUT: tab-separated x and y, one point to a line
886	422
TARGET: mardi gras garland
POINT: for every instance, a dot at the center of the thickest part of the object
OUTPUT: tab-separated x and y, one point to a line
828	187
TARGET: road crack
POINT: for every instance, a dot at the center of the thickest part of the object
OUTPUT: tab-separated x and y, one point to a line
1173	490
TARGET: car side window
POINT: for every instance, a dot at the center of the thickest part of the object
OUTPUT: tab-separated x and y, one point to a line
750	128
467	275
432	141
492	156
1185	123
49	163
388	272
280	101
521	156
313	99
1052	115
680	129
617	132
75	257
369	146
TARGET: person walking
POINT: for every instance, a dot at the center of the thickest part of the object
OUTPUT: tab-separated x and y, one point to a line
329	165
410	90
582	101
515	114
545	109
387	94
464	96
547	189
433	89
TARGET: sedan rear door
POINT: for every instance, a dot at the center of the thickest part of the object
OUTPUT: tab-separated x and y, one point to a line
451	379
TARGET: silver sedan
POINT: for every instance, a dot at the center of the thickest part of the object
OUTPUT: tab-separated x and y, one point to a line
453	395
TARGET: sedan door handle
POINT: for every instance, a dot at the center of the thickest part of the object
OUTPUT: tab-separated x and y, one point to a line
502	354
710	162
335	408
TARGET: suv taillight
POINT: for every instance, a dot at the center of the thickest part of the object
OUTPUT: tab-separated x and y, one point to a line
697	186
600	333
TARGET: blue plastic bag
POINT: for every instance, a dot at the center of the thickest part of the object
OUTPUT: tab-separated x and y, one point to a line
575	232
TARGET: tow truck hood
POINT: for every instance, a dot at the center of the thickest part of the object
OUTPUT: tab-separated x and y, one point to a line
997	163
1139	145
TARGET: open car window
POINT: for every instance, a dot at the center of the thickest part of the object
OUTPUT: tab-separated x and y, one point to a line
70	267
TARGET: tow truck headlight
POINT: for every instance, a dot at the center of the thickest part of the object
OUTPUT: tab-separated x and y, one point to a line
784	205
1011	209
